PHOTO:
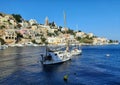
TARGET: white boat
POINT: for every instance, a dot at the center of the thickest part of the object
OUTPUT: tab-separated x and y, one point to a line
19	45
29	44
2	47
35	45
76	51
54	57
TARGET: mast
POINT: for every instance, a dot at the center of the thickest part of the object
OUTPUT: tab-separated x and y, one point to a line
67	43
64	20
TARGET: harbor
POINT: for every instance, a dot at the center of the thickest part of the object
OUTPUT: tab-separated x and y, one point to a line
22	66
60	42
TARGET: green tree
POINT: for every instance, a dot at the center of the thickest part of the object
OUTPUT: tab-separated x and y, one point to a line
19	36
1	14
33	41
2	27
60	27
19	25
2	41
78	38
86	40
70	31
17	17
43	40
50	34
52	24
79	31
110	41
56	33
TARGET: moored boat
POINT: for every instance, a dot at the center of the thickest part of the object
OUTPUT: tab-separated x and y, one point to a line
54	57
76	51
2	47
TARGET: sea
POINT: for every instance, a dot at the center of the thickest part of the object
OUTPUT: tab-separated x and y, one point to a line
97	65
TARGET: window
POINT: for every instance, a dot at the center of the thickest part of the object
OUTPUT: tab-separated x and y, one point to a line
6	37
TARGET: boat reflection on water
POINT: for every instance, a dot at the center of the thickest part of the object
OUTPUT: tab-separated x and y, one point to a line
53	74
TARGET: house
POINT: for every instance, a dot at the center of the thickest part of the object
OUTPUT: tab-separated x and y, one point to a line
90	35
38	39
32	21
80	34
9	36
100	41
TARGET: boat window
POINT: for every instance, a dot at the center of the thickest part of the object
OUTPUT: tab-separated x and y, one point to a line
55	54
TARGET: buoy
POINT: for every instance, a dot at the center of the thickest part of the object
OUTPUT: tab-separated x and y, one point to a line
65	77
107	55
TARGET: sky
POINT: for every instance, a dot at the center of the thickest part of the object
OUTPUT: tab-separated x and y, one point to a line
101	17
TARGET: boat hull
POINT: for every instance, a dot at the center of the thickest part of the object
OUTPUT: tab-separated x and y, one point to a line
55	62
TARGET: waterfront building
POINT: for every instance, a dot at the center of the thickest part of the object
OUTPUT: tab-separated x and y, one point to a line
100	41
32	21
1	33
52	40
38	39
64	29
24	24
90	35
80	34
9	36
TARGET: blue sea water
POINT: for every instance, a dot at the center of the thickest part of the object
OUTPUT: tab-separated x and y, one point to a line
21	66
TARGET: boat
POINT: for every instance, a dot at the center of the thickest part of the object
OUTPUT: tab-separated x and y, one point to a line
29	44
54	57
19	45
2	47
76	50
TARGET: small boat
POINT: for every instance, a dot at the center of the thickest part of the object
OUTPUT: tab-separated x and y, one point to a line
76	51
107	55
55	57
2	47
19	45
